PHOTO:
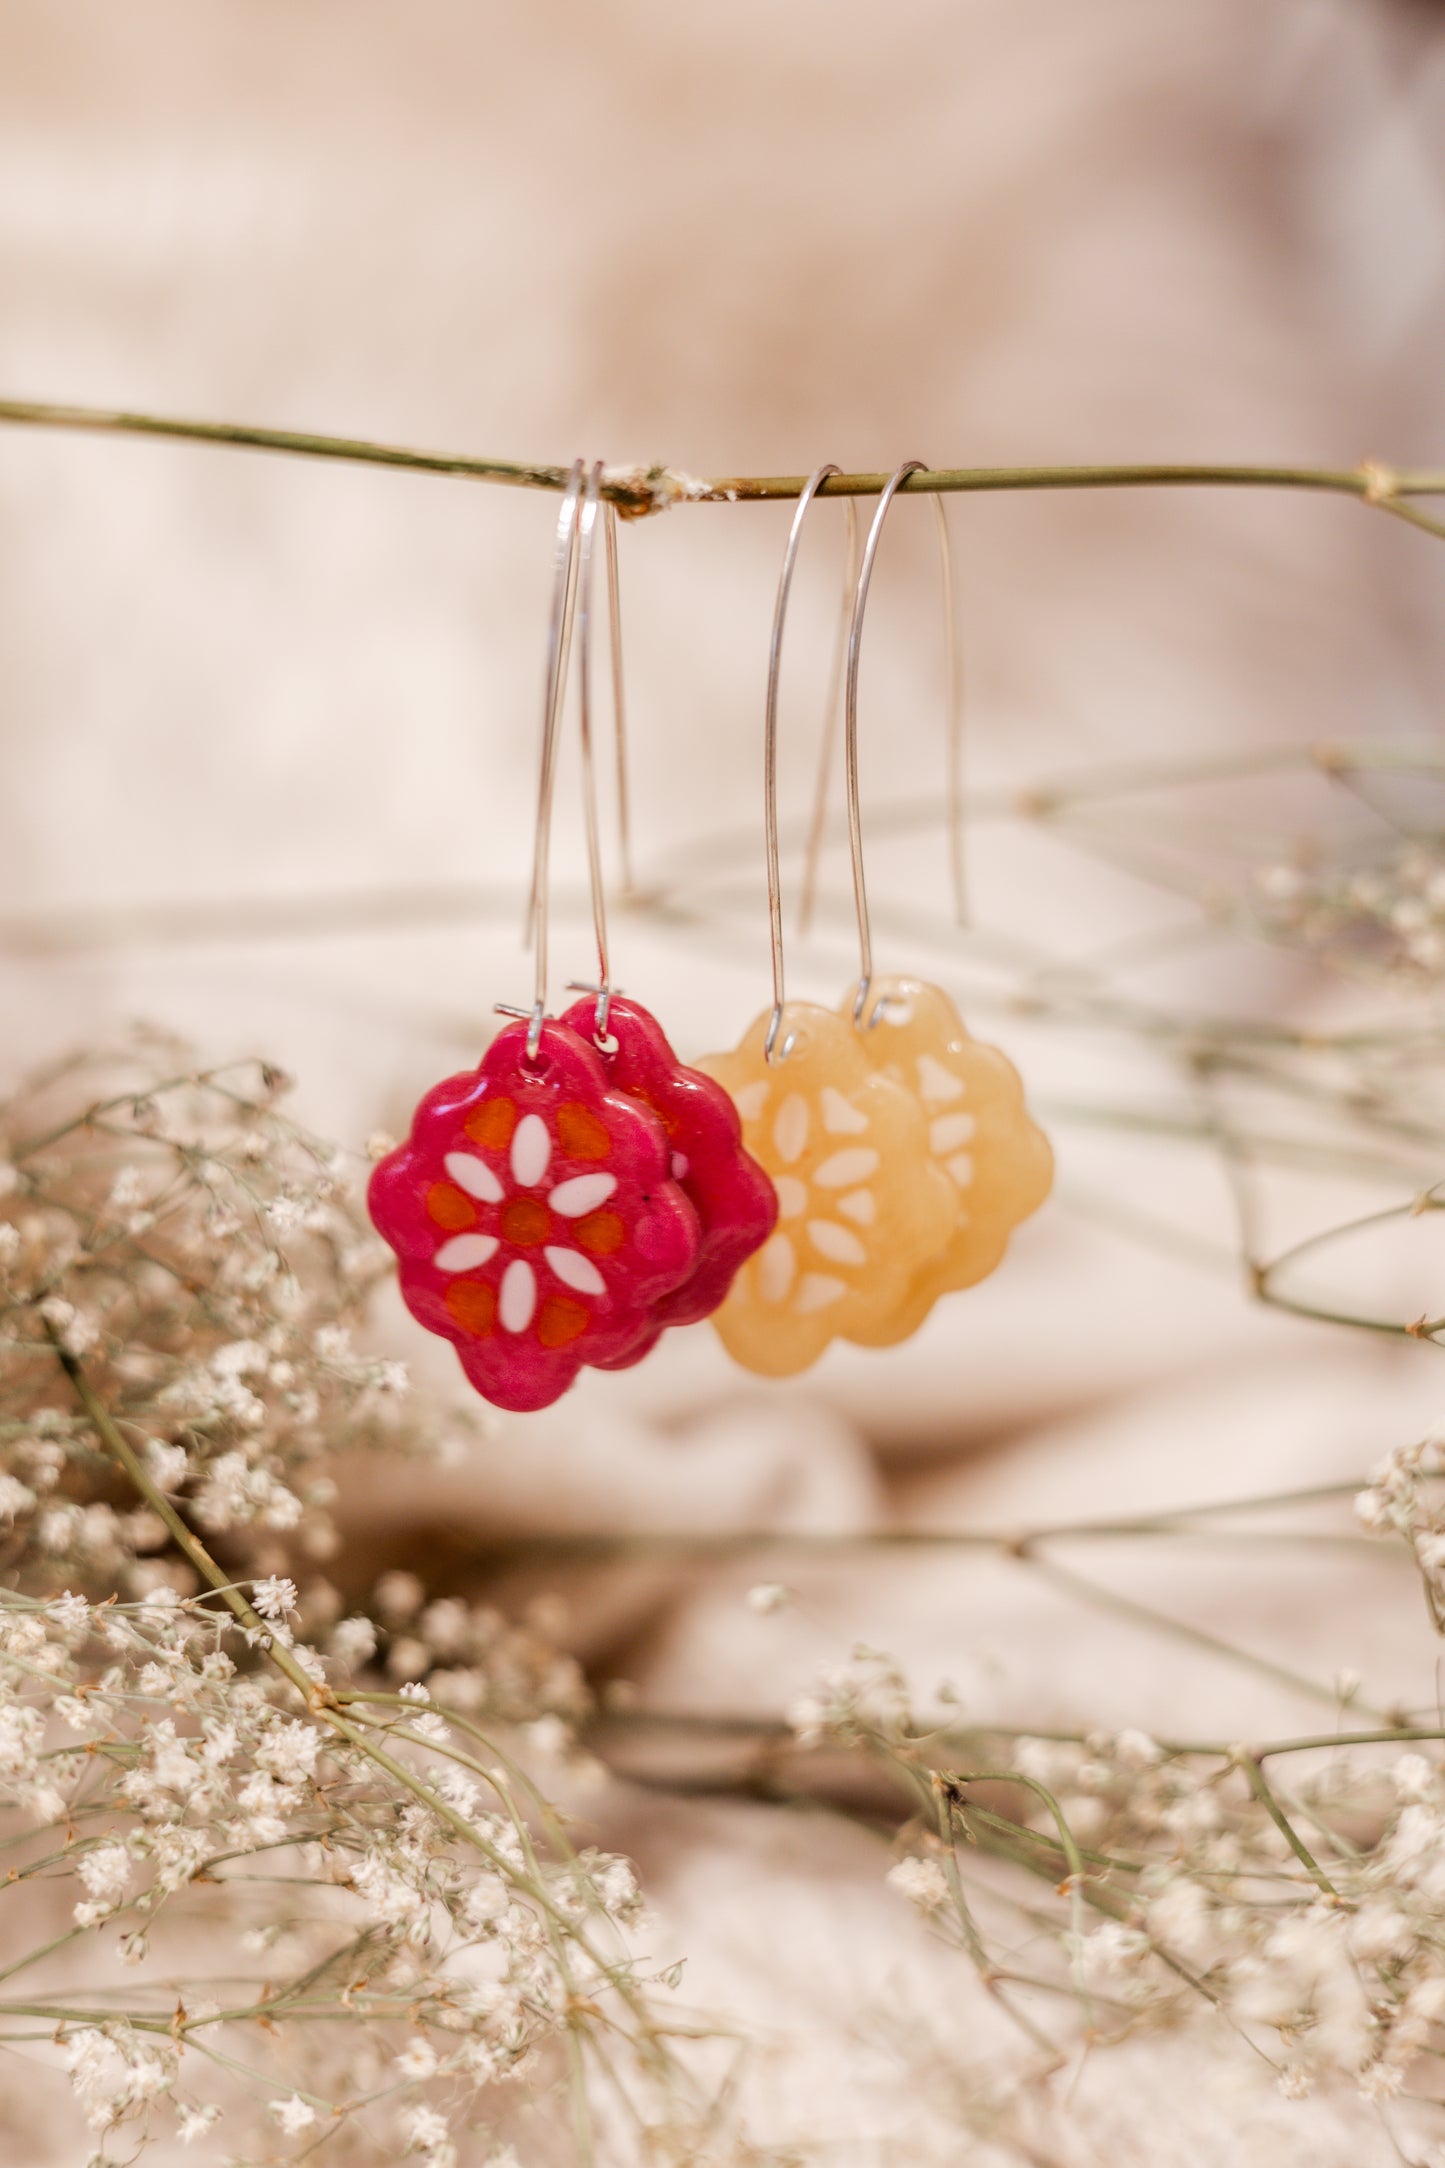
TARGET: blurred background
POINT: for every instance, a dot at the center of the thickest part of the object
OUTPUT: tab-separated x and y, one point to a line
271	727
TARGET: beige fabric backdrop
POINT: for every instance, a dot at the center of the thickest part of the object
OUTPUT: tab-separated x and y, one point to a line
739	238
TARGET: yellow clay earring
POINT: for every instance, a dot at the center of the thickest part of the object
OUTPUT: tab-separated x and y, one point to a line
998	1162
900	1148
861	1205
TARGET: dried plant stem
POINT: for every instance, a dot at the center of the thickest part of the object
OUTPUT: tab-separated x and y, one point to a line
327	1706
772	1734
1107	1599
643	489
317	1698
1259	1785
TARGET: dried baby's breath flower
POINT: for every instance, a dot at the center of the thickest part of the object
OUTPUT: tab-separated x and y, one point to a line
769	1596
185	1283
921	1881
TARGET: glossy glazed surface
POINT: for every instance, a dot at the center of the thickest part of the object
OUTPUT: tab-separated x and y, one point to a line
732	1195
979	1134
535	1217
861	1203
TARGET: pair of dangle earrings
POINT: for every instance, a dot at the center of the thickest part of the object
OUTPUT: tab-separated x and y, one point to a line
900	1148
581	1190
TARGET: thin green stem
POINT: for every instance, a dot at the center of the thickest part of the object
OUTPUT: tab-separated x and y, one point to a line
1259	1785
1107	1599
316	1698
639	490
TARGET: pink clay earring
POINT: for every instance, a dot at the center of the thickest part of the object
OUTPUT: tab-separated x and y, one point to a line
579	1191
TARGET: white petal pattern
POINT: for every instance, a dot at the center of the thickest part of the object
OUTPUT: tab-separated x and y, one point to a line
836	1243
474	1176
790	1129
818	1291
575	1270
937	1084
776	1267
792	1196
845	1168
531	1150
946	1132
465	1252
583	1193
517	1297
840	1117
859	1205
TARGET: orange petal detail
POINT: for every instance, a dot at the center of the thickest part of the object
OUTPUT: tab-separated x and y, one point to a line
525	1221
561	1320
474	1306
580	1133
600	1233
492	1124
446	1205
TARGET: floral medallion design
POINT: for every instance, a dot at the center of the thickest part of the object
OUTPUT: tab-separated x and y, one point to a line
861	1202
979	1134
535	1217
732	1196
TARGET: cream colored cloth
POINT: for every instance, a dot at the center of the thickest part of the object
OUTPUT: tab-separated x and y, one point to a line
745	239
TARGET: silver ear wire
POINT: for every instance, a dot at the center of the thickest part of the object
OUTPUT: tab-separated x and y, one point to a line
812	856
772	1050
850	743
953	712
591	502
602	1036
536	1018
559	636
953	715
619	704
776	1047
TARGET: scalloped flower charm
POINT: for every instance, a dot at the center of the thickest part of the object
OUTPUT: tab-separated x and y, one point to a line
535	1217
980	1135
733	1198
861	1203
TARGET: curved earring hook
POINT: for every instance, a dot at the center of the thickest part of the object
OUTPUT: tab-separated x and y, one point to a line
953	715
772	1051
587	523
953	738
619	704
850	731
559	638
813	854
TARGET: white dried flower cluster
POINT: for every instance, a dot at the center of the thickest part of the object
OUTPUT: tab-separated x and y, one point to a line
865	1698
469	1656
140	1756
1302	1896
1386	916
140	1236
201	1763
1406	1497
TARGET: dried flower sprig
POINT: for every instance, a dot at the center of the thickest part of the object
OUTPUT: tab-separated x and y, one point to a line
296	1895
1141	1883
